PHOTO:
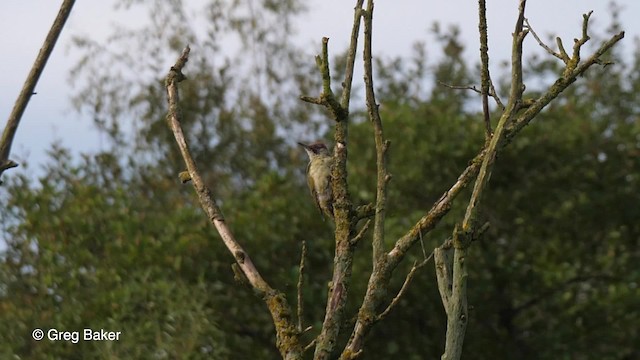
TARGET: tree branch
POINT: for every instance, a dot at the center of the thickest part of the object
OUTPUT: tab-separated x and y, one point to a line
485	78
559	86
303	255
456	309
30	84
562	55
382	146
444	270
367	312
343	209
287	336
492	91
416	266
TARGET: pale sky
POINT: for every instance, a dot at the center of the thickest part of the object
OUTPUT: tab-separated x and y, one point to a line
25	23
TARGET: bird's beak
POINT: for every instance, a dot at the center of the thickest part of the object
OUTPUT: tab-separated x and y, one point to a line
303	145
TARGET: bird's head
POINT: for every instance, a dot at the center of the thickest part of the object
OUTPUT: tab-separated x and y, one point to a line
315	149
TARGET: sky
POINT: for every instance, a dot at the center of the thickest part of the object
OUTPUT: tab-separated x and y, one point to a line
397	25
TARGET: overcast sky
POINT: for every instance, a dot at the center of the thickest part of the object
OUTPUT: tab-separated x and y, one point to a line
25	23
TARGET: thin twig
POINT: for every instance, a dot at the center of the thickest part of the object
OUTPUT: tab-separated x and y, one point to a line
485	78
356	239
562	56
492	91
460	87
303	255
405	286
309	346
312	100
494	95
424	251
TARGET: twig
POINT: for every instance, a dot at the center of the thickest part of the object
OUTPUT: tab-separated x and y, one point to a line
460	87
424	251
364	212
303	255
30	84
404	287
312	100
351	56
356	239
492	91
562	55
485	78
494	95
309	346
560	85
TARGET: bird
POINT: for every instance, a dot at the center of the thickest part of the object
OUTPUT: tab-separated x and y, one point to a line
319	176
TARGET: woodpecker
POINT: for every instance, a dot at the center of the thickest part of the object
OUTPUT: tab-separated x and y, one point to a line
319	176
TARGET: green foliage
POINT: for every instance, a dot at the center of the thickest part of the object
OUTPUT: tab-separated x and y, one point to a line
88	248
113	241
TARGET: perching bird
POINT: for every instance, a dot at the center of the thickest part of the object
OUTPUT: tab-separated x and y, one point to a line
319	176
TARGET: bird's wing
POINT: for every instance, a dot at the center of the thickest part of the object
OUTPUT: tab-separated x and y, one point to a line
312	189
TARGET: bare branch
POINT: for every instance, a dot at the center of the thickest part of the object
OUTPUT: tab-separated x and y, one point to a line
382	146
460	87
455	302
367	313
364	212
313	100
356	239
405	286
559	86
343	208
494	95
303	255
485	78
562	55
351	55
30	84
492	90
287	337
424	251
444	270
563	52
375	295
457	313
515	97
310	345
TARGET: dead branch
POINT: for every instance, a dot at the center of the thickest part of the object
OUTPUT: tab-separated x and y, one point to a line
287	336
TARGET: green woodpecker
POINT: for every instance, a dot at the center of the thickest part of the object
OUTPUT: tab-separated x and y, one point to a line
319	176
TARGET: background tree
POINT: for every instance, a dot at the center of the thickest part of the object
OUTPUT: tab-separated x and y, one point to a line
110	241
